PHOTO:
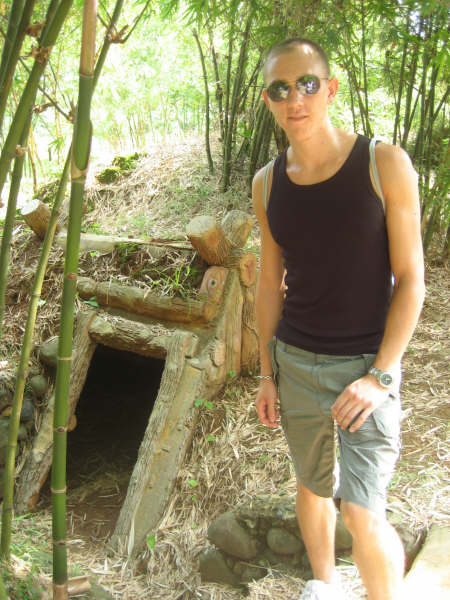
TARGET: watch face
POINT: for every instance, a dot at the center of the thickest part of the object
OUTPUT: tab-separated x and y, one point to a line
386	379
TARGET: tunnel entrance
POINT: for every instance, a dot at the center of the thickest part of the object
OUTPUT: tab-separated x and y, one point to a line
112	414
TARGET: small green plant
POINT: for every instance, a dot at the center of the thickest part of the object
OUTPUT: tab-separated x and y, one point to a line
211	438
202	402
193	483
92	301
94	228
151	541
125	249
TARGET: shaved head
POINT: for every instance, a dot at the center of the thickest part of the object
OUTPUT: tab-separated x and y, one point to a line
291	44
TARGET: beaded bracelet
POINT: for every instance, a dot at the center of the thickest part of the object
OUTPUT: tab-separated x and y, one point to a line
264	377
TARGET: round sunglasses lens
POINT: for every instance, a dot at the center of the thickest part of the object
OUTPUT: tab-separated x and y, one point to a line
309	84
278	91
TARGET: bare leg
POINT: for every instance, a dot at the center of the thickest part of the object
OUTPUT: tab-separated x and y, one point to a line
377	551
317	520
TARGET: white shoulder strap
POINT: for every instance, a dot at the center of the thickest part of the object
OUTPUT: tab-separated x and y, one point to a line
376	177
266	192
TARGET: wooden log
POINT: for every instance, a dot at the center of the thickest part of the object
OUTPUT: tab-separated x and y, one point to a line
106	243
78	585
140	338
165	441
208	238
246	264
36	214
38	461
250	343
237	225
142	302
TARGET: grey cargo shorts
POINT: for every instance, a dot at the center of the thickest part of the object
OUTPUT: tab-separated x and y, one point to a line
308	385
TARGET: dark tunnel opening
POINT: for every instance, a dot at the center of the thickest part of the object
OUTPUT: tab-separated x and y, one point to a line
112	414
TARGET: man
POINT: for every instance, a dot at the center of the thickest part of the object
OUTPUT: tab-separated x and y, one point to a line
331	341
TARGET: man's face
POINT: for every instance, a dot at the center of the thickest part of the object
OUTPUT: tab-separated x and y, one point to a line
299	114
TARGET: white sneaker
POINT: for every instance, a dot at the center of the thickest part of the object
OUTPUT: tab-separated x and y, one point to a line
319	590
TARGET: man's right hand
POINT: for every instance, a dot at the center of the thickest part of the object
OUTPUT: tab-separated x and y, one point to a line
266	403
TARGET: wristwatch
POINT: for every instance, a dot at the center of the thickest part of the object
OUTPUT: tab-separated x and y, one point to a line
384	378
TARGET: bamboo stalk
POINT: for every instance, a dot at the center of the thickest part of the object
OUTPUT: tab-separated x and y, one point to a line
11	32
29	93
7	73
205	81
3	592
9	219
27	344
80	161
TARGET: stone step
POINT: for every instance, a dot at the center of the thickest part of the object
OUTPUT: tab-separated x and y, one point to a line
429	576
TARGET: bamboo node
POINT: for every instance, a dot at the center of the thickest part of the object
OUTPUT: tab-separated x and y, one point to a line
20	150
35	29
61	491
117	37
41	54
60	429
64	357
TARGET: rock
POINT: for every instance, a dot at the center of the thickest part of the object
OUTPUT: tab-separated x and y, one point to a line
213	567
23	432
252	573
6	398
227	534
98	593
344	539
412	541
49	352
39	385
429	576
4	427
282	542
27	412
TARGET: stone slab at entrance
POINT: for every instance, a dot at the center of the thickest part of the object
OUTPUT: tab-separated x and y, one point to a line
429	576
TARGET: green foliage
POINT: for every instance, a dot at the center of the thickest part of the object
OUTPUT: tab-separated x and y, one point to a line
201	402
109	174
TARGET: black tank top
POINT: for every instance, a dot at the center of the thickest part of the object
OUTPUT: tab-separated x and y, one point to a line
335	247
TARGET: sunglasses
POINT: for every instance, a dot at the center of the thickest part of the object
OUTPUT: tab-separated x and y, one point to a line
307	85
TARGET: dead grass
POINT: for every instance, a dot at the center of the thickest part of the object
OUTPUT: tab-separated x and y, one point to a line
245	459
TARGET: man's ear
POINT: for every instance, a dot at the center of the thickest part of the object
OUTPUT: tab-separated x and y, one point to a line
333	86
266	98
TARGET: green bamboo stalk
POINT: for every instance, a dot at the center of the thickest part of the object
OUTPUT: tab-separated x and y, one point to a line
31	320
80	161
237	89
3	592
107	41
10	218
11	32
27	344
7	73
205	81
29	93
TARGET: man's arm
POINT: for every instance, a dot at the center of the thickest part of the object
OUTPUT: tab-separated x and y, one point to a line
399	184
269	301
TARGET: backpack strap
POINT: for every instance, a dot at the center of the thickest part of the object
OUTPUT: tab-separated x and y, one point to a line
266	192
376	177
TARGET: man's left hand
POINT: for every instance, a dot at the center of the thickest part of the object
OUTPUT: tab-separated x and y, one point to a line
359	399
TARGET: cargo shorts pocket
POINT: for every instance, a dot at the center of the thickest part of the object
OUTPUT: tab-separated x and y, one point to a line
387	417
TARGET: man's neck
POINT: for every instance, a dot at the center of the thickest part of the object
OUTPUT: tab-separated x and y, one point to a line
320	148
